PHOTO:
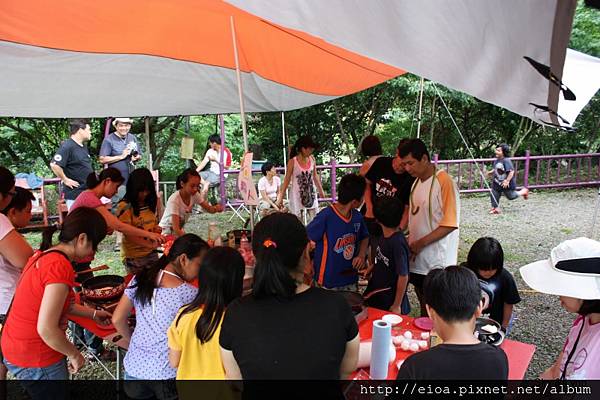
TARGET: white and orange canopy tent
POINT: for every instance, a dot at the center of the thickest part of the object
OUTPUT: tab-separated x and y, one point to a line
178	57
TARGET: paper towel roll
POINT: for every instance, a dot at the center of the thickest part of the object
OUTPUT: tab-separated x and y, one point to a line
364	354
380	349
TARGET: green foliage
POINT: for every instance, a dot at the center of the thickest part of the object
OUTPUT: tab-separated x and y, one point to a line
388	110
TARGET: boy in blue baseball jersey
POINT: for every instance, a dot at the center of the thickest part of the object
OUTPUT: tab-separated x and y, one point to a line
341	237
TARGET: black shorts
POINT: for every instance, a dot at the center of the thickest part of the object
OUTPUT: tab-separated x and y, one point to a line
416	279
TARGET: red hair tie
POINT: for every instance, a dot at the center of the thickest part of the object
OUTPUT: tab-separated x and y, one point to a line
269	243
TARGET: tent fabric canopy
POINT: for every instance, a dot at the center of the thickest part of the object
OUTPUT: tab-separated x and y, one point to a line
149	57
140	57
473	46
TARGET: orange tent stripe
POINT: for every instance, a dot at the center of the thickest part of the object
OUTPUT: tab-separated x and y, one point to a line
192	30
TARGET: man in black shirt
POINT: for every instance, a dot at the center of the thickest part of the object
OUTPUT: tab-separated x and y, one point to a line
387	178
453	300
72	162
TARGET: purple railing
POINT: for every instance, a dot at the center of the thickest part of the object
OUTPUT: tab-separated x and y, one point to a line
534	172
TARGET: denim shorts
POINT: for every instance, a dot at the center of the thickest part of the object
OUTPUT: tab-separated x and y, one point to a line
53	379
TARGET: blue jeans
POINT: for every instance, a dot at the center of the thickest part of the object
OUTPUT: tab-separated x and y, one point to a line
139	389
53	379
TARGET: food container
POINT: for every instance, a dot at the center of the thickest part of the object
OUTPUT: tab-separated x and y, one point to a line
494	337
103	288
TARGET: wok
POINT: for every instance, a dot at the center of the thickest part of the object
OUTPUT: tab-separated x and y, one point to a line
103	287
357	302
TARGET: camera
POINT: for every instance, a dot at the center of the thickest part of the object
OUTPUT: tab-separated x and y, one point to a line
135	153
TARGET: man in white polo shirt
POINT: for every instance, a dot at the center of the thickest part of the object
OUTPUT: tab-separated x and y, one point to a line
434	214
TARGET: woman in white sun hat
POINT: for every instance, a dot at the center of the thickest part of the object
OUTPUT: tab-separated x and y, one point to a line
573	273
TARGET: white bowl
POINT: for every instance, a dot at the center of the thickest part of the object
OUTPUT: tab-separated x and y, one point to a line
392	319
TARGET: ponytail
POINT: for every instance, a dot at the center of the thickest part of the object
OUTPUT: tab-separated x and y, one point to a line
278	242
272	278
189	244
47	234
111	173
146	280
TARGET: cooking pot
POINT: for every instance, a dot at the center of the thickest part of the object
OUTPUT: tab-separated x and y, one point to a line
495	338
103	287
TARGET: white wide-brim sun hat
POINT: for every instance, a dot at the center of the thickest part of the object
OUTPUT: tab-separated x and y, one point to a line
573	270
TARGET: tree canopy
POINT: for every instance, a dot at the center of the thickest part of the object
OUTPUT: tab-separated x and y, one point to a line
388	110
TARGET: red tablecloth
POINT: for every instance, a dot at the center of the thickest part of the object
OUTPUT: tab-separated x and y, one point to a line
518	354
107	332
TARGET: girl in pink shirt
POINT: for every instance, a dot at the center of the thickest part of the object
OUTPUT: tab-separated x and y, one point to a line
573	273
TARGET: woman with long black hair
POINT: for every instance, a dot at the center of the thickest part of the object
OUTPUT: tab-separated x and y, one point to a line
34	343
194	335
157	293
286	329
139	209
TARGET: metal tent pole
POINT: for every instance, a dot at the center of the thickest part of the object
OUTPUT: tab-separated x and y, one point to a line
283	141
241	98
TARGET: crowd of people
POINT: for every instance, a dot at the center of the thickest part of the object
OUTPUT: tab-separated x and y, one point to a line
191	319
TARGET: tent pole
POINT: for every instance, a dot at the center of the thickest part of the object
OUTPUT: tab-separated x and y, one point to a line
283	141
188	162
147	140
239	84
241	97
420	108
221	122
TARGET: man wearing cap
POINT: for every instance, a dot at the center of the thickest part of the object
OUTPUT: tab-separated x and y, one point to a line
72	163
120	149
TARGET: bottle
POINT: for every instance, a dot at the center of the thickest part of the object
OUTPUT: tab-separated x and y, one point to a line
246	250
213	234
244	243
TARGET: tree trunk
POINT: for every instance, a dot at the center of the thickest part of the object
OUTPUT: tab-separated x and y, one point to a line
345	139
432	127
525	128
